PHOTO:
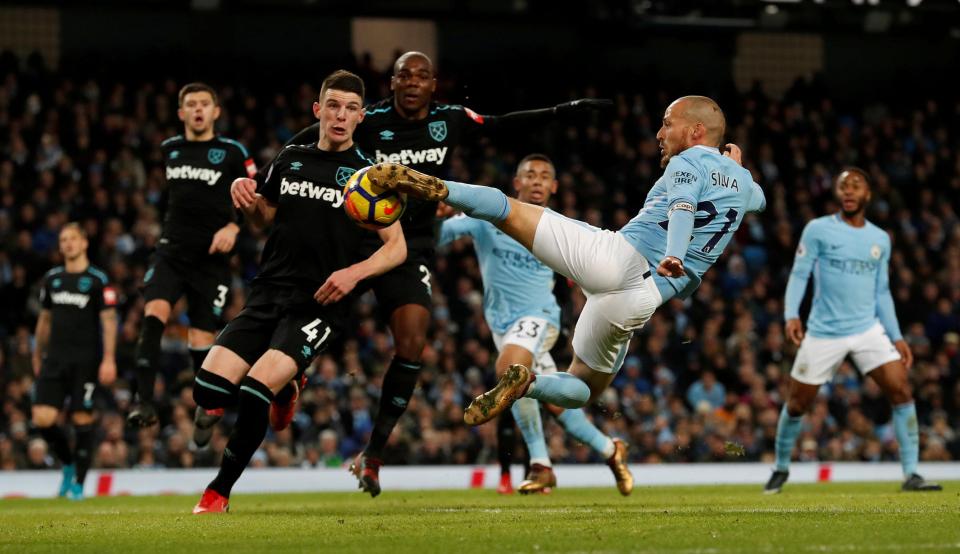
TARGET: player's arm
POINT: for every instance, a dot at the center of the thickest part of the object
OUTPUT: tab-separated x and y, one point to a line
806	256
390	255
456	227
520	119
683	186
108	365
758	200
226	237
41	338
887	312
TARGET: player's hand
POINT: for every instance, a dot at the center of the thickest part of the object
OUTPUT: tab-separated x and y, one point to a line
224	239
107	373
671	267
733	152
584	104
905	353
338	285
794	331
445	210
243	192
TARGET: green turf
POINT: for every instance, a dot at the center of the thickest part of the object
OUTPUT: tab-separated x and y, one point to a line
805	518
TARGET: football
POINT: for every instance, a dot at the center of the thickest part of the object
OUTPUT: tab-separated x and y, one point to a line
371	206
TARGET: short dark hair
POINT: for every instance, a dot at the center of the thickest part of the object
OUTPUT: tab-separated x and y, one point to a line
196	87
853	169
536	158
342	79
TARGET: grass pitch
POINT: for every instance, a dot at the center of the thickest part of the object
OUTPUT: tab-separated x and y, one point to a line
873	517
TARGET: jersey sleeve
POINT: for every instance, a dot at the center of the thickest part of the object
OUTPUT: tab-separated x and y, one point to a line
457	227
45	302
758	201
268	181
886	311
684	181
806	256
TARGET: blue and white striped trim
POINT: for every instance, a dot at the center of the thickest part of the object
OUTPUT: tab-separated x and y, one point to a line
99	274
171	140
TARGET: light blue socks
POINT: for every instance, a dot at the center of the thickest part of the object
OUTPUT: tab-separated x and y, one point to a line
908	436
787	430
577	425
486	203
526	411
560	389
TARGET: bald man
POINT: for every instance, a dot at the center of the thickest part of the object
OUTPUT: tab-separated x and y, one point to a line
412	129
688	218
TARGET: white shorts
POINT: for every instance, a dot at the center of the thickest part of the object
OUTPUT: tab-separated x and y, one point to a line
819	357
621	296
535	335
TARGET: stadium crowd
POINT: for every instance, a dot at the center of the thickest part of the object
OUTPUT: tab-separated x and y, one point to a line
703	382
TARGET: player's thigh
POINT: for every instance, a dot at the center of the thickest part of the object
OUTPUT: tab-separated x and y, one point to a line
243	340
596	259
607	323
163	281
208	293
407	284
800	397
894	379
84	380
50	392
872	349
302	336
274	369
522	222
818	358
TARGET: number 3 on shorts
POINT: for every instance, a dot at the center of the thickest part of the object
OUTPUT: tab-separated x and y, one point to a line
311	331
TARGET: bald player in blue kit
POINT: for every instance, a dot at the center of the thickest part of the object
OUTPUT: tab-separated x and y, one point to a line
687	219
852	314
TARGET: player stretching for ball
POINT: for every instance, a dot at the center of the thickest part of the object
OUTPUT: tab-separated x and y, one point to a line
193	257
525	318
412	129
296	304
77	330
612	268
852	314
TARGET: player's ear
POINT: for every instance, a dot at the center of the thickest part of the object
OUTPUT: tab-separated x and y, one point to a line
433	85
182	116
216	112
516	183
363	113
553	186
316	110
393	82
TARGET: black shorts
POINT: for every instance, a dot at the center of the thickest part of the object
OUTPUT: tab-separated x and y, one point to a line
76	378
408	283
206	284
273	319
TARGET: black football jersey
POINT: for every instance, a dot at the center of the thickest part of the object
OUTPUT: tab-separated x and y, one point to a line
75	301
312	236
425	145
199	175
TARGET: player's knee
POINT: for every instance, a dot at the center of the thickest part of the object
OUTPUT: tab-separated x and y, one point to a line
82	418
211	391
200	338
900	394
43	417
796	407
410	346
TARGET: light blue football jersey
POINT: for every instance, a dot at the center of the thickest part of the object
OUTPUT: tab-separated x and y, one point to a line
515	283
722	191
851	279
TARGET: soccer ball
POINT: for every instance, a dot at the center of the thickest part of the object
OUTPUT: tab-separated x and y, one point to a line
371	206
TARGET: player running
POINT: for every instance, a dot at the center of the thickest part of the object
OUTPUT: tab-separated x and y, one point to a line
852	314
193	256
413	129
524	316
296	304
612	268
76	340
